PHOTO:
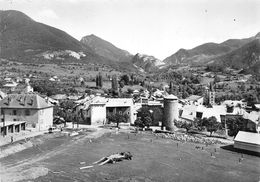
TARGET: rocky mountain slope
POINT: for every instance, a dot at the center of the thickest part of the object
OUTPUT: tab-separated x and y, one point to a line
106	49
146	63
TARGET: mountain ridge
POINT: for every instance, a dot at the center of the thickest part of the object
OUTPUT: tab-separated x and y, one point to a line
106	49
207	51
24	39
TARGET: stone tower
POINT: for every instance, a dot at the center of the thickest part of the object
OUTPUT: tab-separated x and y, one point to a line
171	112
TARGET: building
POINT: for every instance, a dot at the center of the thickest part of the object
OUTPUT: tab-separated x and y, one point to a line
97	109
171	112
212	97
124	106
247	141
10	86
29	108
212	94
195	99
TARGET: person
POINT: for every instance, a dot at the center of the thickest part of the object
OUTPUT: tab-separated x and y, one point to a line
12	139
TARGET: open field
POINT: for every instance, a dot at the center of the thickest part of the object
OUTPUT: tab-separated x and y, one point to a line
154	159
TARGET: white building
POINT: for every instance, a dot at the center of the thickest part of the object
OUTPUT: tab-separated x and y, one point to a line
247	141
195	99
31	108
97	109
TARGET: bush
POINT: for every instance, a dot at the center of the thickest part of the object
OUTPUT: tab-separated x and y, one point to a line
212	125
139	123
117	118
183	124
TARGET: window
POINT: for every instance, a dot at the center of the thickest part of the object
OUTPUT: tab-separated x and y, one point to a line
14	112
27	112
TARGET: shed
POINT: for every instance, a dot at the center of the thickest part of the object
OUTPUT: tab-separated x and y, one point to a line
247	141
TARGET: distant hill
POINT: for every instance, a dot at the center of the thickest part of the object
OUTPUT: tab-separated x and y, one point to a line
146	63
106	49
246	57
205	52
24	39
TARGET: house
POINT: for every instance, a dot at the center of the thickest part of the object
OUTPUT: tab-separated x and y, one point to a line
136	92
189	112
253	123
247	141
195	99
97	109
10	86
29	108
59	97
122	106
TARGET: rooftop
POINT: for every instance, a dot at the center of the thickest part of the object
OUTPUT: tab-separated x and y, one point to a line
173	97
194	97
248	137
28	101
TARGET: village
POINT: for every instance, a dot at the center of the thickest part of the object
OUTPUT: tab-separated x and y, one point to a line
27	114
129	91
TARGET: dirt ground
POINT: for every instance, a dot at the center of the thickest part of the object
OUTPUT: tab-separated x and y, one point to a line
59	159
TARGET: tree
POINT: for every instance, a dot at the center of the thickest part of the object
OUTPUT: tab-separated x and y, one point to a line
117	118
212	125
236	124
114	83
139	122
183	124
198	123
147	121
99	80
126	79
130	90
121	84
216	79
171	91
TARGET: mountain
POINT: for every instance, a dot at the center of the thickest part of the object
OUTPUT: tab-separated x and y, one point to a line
246	57
24	39
106	49
141	62
146	63
205	52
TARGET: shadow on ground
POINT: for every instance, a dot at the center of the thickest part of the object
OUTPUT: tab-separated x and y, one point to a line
232	149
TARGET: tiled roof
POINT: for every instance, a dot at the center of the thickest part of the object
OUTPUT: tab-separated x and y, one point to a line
119	102
28	101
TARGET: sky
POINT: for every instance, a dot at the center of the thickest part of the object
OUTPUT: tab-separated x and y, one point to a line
153	27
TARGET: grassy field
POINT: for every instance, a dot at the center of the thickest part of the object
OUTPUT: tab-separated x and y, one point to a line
154	159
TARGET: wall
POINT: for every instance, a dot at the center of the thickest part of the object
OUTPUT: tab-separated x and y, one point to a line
171	113
247	146
45	118
31	120
98	114
39	119
120	110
